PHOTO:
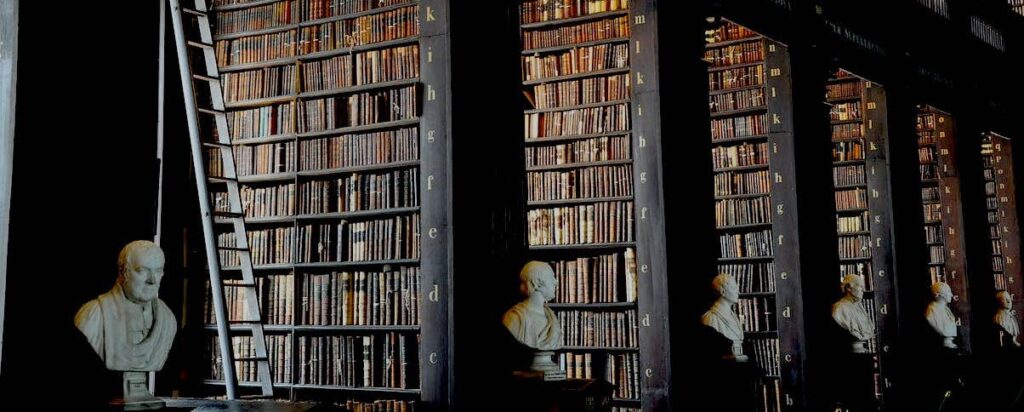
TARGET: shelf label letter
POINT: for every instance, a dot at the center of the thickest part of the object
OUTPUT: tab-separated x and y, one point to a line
643	213
435	294
430	14
647	320
643	141
643	177
639	78
787	313
433	358
784	275
432	233
641	19
431	93
430	135
430	182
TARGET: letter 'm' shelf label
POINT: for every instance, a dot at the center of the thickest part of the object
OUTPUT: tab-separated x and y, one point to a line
641	19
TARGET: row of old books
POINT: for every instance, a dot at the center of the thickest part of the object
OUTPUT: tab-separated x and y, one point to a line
926	154
757	314
258	84
261	201
275	295
744	154
747	76
847	150
286	12
738	100
362	149
576	60
604	29
741	126
582	91
851	199
362	68
750	244
766	353
534	11
852	247
742	53
587	182
742	183
255	160
846	111
599	329
266	121
596	149
727	32
855	223
734	212
621	370
279	349
362	298
930	194
386	360
862	269
847	131
597	279
360	191
576	122
843	90
256	48
603	222
339	36
362	241
359	109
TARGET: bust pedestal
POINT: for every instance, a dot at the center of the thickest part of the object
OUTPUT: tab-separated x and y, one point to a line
543	367
136	393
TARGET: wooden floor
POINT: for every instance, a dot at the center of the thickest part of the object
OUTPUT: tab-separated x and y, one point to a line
204	405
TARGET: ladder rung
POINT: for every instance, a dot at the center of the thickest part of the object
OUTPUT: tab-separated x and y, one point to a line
229	215
245	322
193	12
252	359
210	111
239	285
200	45
210	79
216	145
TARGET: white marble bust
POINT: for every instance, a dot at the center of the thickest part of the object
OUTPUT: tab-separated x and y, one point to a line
940	317
534	324
531	322
1005	318
129	327
849	313
721	317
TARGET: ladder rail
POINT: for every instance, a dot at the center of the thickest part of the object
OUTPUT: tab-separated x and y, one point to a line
229	173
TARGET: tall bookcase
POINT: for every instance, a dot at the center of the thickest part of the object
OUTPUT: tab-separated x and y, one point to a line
339	116
860	175
594	193
943	216
1001	205
750	97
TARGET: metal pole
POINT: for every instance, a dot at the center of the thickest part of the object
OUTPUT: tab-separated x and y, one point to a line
8	77
224	340
161	73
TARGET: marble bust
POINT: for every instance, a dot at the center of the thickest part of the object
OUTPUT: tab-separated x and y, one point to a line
849	313
535	325
1006	320
721	317
939	316
129	327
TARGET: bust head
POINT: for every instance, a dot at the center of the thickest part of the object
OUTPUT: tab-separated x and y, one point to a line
941	292
853	286
140	269
727	287
1005	299
538	278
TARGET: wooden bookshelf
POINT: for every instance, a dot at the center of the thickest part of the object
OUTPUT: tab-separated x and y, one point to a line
1001	202
758	233
339	113
943	215
861	180
604	185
